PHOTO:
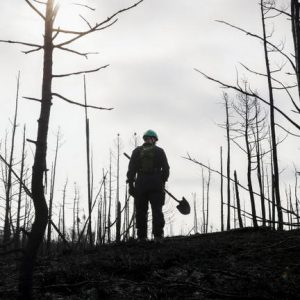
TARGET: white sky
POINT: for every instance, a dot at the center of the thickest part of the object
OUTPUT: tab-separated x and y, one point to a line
150	83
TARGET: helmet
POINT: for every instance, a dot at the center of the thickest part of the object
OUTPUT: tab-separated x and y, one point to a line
150	133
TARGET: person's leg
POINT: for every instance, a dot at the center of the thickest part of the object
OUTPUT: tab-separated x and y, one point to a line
141	205
157	201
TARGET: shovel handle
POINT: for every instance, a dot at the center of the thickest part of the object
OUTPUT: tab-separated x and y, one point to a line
172	196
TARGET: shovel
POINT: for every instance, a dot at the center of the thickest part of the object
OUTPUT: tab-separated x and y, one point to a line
183	206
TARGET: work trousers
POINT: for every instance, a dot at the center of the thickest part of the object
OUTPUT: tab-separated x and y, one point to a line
149	189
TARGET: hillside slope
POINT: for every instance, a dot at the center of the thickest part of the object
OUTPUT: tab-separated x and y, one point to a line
240	264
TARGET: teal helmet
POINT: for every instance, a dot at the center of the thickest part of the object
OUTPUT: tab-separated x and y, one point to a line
150	133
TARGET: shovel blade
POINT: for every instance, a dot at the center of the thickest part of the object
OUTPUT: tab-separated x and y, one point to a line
184	207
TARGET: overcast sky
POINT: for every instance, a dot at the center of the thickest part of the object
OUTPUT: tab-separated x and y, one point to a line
152	51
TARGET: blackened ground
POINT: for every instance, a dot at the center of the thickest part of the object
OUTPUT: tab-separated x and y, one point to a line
240	264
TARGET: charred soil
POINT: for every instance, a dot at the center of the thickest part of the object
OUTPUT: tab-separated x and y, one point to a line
239	264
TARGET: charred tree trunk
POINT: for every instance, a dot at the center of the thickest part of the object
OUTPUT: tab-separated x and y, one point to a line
272	123
7	222
63	210
296	197
259	168
250	187
88	163
207	199
17	245
238	202
118	204
295	6
109	202
39	166
203	203
52	185
221	191
74	215
104	210
195	216
228	159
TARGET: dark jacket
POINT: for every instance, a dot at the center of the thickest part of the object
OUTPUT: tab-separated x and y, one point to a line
160	164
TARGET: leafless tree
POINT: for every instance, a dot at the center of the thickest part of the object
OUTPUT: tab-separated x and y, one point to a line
238	202
8	185
39	166
221	189
245	108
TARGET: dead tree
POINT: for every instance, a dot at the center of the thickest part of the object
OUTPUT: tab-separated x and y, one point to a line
249	128
75	203
203	202
296	197
39	166
228	158
207	199
118	203
17	244
51	197
195	215
64	209
110	199
295	21
104	209
8	186
193	160
272	117
293	62
258	137
238	202
221	190
88	163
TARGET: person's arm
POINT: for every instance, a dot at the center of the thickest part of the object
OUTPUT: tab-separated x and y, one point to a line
132	166
165	167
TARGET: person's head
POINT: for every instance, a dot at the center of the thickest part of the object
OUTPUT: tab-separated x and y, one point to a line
150	136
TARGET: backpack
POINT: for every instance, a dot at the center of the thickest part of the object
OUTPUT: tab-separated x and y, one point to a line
147	155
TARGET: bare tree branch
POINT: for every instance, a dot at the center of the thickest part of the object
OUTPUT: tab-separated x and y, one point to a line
251	94
280	11
83	33
33	99
260	38
35	9
86	21
80	72
26	189
79	104
21	43
287	131
40	2
86	6
189	158
33	50
98	26
77	52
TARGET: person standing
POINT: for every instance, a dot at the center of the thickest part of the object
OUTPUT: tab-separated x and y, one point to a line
148	171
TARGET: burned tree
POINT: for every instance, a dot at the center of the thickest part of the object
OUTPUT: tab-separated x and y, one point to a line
245	108
39	166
